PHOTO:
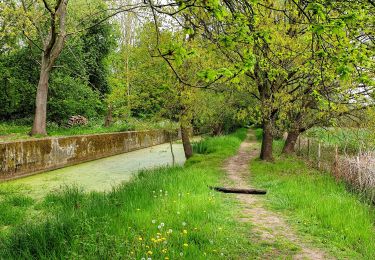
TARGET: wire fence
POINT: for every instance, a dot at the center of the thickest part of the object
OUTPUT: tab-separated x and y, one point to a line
355	168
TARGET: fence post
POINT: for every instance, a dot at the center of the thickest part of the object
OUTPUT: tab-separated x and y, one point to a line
359	173
336	163
308	148
319	155
299	145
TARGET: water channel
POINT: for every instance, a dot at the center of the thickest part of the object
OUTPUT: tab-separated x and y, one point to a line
98	175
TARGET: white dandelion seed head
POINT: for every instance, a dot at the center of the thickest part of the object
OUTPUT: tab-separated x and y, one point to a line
153	221
162	224
181	254
184	223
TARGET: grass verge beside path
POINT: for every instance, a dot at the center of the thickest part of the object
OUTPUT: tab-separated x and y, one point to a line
318	206
166	213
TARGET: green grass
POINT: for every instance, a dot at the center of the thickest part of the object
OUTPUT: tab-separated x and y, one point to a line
167	212
347	139
20	129
318	206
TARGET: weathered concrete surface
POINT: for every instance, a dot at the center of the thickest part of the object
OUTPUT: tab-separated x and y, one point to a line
28	157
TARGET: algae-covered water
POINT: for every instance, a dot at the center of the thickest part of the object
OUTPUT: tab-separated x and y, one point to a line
98	175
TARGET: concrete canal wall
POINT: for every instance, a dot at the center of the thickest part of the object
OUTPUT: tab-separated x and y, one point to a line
26	157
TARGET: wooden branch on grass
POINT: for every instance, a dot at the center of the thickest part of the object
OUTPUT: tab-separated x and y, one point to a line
236	190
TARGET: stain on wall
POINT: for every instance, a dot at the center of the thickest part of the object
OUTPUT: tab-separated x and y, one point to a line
26	157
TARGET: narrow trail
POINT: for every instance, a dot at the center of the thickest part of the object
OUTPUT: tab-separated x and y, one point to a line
269	226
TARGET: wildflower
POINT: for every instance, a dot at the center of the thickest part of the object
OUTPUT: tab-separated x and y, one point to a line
184	231
149	258
153	221
147	247
149	252
164	251
184	223
222	254
143	258
131	252
186	245
159	227
140	238
181	254
162	224
169	231
166	258
211	241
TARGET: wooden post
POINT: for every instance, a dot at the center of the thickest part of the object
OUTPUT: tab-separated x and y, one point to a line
359	172
299	145
319	155
308	148
336	163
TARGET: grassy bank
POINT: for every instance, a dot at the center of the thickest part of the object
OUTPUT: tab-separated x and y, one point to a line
318	206
346	139
160	214
20	129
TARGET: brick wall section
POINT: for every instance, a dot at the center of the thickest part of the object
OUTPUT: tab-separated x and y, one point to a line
26	157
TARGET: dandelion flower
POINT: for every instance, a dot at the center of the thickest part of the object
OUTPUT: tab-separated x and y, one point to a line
169	231
153	221
186	245
159	227
184	223
184	231
181	254
162	224
140	238
166	258
149	252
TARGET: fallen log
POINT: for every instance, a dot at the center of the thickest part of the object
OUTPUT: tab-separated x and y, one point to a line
241	191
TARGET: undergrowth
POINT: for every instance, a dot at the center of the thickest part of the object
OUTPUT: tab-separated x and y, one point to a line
319	206
165	213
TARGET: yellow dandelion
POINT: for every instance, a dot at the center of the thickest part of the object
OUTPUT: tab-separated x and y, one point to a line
186	245
140	238
184	231
149	252
166	258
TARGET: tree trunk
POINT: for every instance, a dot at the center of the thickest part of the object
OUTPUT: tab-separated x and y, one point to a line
40	117
186	142
109	118
266	150
290	142
52	47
